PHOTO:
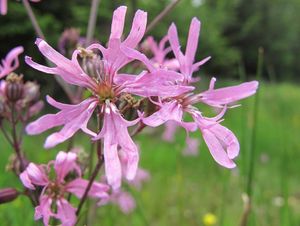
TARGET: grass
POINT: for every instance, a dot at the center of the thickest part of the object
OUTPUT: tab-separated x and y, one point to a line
183	189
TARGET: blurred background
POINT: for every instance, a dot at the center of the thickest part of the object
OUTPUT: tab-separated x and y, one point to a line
232	30
184	189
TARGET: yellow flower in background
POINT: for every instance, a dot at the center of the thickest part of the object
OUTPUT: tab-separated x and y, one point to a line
209	219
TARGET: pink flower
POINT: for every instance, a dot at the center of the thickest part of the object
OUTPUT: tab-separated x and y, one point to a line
3	6
11	61
186	61
115	135
186	64
56	189
160	52
106	86
72	117
221	142
124	200
223	96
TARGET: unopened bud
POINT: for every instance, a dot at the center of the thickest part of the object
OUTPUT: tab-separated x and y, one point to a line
14	87
149	107
8	195
82	157
31	91
15	165
69	40
92	64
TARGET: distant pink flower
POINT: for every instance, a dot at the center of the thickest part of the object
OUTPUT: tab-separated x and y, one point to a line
192	147
3	6
106	88
221	142
56	189
170	130
160	52
123	199
11	61
141	177
191	144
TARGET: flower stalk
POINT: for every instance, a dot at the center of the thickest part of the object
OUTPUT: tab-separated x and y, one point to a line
96	170
33	19
16	144
92	21
249	188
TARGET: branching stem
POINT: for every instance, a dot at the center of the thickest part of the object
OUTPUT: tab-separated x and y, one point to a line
161	15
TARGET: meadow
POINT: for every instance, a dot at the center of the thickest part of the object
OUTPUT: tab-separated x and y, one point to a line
183	189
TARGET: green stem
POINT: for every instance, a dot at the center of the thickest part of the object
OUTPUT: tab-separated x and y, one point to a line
254	130
249	187
15	140
96	170
16	144
91	181
242	76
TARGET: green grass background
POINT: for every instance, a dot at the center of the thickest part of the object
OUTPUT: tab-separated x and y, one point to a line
183	189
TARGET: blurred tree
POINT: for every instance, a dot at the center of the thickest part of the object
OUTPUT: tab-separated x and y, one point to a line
274	25
231	32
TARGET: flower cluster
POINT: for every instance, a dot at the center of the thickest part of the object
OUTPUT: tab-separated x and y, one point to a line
161	92
107	87
124	199
126	85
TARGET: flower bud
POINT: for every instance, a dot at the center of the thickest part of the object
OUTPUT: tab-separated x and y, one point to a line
31	92
92	64
69	40
82	157
8	195
14	87
15	165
